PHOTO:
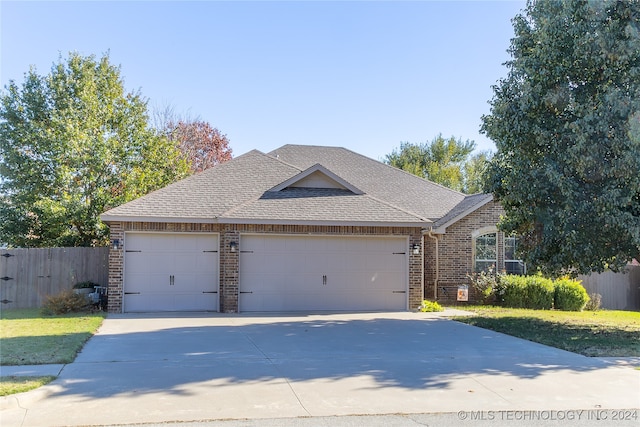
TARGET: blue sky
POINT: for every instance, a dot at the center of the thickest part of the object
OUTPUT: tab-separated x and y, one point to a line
362	75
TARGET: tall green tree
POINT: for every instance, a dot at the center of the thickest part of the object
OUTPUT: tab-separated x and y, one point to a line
566	122
448	162
73	143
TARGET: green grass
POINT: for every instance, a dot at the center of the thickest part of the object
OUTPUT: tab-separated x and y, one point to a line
29	338
591	333
12	385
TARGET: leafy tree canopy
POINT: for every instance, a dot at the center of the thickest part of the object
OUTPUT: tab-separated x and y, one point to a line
566	122
448	162
202	145
74	143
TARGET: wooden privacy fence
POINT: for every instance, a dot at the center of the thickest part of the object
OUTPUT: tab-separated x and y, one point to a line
28	276
620	291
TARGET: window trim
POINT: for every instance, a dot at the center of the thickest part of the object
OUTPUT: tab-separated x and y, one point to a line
474	237
514	260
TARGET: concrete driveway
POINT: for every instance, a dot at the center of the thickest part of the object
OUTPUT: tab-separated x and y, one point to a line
156	368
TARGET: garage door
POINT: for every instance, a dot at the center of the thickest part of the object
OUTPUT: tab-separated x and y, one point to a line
171	272
298	273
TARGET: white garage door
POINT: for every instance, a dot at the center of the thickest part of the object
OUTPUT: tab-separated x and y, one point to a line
171	272
298	273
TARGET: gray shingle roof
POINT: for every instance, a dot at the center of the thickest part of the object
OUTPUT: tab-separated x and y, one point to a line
382	181
319	205
209	194
238	191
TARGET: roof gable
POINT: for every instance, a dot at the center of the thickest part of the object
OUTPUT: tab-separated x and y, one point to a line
469	205
376	179
317	176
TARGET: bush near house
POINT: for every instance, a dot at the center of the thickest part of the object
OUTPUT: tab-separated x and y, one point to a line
430	306
539	291
532	292
569	295
66	302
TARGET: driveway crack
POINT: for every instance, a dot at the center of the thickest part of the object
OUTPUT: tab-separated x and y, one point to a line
275	366
489	389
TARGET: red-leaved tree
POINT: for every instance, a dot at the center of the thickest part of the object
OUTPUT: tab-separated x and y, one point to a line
202	145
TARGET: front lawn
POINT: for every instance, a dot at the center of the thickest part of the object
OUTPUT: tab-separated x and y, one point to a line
29	338
591	333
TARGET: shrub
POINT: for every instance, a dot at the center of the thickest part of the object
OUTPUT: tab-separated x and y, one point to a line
430	306
486	285
539	291
66	302
569	295
533	292
513	291
594	303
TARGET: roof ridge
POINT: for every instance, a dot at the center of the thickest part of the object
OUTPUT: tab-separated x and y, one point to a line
253	199
276	157
397	208
385	164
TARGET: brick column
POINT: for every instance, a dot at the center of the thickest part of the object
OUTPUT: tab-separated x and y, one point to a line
416	272
116	261
229	270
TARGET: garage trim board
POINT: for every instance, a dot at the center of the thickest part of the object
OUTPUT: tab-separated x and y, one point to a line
323	273
171	272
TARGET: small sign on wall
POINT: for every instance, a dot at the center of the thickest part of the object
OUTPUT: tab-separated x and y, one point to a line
463	293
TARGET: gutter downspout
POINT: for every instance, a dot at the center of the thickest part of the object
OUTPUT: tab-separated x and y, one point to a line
435	282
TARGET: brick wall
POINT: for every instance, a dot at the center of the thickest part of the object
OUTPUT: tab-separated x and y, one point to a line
116	262
229	262
455	253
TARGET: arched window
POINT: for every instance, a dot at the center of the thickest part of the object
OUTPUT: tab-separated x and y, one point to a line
486	251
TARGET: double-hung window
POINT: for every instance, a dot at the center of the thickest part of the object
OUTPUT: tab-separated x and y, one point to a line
512	264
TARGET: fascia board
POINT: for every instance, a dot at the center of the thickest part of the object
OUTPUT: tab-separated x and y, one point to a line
321	223
442	229
138	218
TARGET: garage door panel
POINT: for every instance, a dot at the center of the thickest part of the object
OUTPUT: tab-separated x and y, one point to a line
323	273
194	302
146	282
171	272
206	263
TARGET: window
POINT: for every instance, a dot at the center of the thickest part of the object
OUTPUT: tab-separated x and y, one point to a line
512	264
486	252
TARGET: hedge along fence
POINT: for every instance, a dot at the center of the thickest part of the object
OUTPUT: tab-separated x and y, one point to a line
29	276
